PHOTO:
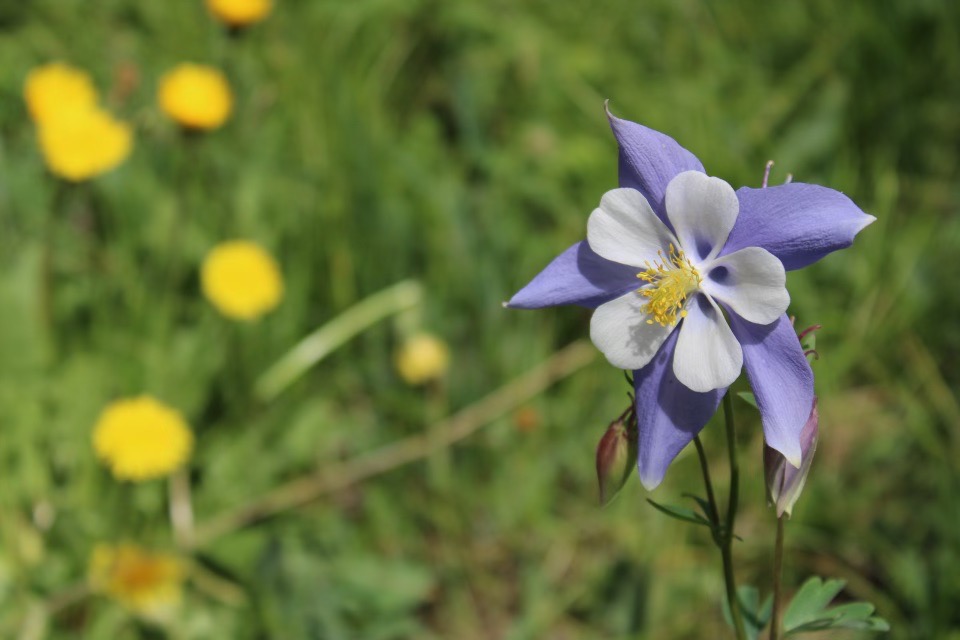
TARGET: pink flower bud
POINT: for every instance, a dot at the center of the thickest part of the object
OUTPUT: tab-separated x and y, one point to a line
616	455
784	481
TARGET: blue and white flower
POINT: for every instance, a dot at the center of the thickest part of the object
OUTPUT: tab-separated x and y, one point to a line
687	281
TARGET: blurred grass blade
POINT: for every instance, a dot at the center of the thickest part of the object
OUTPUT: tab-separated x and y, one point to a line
315	347
454	428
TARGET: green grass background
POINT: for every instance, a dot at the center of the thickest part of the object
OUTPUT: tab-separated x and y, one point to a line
463	143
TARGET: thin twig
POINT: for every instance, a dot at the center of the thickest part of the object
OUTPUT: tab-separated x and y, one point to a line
457	427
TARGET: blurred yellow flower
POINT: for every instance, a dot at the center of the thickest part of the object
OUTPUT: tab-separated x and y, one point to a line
83	142
240	13
241	280
421	358
141	438
196	96
57	87
145	582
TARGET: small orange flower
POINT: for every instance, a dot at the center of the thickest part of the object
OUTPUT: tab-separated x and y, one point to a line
240	13
196	96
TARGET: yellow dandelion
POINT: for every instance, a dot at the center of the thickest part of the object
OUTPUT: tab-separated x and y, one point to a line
148	583
421	358
57	87
240	13
241	280
141	438
83	142
196	96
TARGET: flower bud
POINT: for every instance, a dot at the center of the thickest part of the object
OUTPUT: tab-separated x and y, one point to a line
616	455
784	481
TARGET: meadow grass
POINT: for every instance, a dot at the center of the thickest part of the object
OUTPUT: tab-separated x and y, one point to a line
461	145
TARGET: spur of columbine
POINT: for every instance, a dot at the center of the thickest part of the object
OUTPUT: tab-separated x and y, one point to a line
687	281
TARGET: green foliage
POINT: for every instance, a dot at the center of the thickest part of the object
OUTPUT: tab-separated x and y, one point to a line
749	398
461	144
756	615
680	513
809	610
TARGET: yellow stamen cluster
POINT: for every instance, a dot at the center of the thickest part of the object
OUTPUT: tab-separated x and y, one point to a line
673	278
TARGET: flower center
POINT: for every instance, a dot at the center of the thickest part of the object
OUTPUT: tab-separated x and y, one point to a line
673	278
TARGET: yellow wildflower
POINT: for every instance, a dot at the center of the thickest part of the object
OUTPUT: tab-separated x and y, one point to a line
83	142
145	582
421	358
57	87
141	438
196	96
240	13
241	280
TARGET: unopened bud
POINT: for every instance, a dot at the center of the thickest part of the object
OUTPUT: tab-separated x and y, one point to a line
784	481
616	455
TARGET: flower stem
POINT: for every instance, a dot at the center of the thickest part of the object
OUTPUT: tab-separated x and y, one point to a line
777	580
181	508
727	537
714	514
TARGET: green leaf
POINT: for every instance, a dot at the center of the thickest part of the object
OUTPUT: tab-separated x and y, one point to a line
810	601
707	511
808	611
680	513
749	398
756	616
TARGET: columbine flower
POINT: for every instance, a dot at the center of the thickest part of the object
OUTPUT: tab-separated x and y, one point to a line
57	87
80	143
240	13
666	256
140	438
241	280
422	358
149	584
785	482
196	96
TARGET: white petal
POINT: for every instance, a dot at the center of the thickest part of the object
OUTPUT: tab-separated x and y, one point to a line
708	355
702	211
625	229
620	331
752	282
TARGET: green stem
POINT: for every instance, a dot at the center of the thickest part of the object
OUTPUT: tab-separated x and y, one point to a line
777	581
714	514
727	537
734	467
